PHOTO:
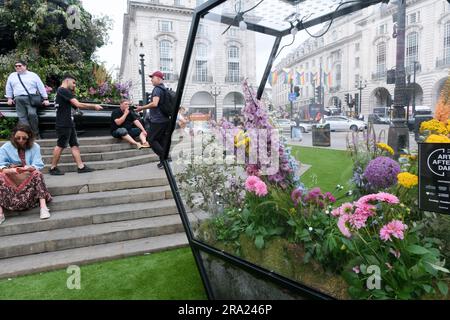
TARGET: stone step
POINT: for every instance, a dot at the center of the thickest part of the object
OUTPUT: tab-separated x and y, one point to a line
59	187
105	156
84	236
83	141
107	165
89	216
85	149
48	261
101	199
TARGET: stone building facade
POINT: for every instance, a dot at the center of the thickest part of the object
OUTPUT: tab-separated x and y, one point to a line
160	29
360	49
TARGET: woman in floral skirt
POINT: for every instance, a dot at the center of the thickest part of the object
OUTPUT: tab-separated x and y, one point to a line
22	184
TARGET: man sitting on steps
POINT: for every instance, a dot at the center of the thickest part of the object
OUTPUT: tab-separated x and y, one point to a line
126	125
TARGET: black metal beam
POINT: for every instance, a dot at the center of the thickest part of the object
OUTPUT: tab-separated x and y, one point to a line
269	65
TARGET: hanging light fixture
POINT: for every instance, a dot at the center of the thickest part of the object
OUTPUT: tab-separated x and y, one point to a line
294	29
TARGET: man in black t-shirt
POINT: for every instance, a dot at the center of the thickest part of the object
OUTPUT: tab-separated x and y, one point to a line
125	125
65	103
158	135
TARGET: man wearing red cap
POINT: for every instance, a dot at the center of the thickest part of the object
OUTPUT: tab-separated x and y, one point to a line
159	123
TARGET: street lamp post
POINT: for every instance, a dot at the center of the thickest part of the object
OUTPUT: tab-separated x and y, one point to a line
398	136
360	85
142	72
215	92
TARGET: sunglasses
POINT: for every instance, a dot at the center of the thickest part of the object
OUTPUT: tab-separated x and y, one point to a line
18	65
22	138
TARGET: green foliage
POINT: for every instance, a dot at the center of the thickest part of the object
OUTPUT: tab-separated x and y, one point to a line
6	125
42	38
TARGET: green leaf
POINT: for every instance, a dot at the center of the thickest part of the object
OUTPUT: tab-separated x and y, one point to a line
427	288
259	242
439	268
415	249
443	287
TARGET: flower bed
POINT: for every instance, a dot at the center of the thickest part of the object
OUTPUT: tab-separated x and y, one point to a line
369	242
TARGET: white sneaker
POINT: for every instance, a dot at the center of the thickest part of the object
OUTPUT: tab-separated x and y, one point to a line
2	218
45	213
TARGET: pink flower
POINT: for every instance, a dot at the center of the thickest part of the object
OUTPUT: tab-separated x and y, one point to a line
387	197
336	212
346	208
329	197
296	196
261	189
251	183
394	228
342	225
356	269
357	221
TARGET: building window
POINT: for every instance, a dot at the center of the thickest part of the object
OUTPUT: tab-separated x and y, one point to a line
165	26
201	63
338	75
382	29
233	32
357	62
233	64
412	49
356	47
166	57
413	18
178	3
202	30
447	42
381	58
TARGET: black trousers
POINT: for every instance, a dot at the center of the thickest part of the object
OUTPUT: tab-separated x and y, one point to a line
158	137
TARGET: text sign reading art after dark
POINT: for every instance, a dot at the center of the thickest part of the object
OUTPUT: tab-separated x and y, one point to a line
434	177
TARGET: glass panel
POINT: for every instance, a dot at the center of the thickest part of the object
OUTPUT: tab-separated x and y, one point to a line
302	182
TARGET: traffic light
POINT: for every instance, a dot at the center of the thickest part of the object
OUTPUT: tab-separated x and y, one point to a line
317	93
347	98
297	91
148	97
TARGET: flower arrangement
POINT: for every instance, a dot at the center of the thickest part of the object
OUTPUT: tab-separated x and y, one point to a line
434	126
381	173
436	138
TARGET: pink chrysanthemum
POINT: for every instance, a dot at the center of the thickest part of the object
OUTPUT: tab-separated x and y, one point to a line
342	225
261	189
251	182
394	229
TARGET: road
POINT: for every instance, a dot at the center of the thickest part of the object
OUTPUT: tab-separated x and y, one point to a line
339	139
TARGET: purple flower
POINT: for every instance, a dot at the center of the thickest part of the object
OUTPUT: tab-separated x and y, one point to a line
381	173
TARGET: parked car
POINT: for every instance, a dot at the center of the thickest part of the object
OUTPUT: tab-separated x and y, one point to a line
341	123
286	124
423	113
88	122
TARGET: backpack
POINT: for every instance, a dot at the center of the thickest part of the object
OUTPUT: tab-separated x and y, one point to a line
167	105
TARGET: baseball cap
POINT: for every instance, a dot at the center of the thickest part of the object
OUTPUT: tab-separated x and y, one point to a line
158	74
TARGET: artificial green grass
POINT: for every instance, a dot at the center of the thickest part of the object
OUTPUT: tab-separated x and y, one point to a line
329	167
169	275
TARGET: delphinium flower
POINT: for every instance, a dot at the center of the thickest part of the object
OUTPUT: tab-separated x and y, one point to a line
381	173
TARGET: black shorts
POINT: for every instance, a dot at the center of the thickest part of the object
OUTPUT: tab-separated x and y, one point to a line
67	136
122	132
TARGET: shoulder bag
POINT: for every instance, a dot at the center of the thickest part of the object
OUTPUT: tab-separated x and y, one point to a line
35	99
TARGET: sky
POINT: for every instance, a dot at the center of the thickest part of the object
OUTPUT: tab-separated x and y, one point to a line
115	9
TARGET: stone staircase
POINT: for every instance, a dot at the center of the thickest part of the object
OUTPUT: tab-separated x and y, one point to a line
124	209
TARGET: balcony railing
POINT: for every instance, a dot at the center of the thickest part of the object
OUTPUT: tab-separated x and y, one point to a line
379	75
335	89
202	79
410	68
171	76
234	79
444	62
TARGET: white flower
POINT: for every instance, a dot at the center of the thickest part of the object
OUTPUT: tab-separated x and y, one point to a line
310	229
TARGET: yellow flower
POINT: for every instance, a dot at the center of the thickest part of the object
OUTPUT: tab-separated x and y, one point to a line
385	147
434	126
407	180
436	138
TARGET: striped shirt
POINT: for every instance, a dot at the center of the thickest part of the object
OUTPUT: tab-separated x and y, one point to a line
31	81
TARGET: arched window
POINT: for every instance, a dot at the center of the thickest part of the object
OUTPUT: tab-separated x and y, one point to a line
201	63
412	50
233	64
381	58
166	58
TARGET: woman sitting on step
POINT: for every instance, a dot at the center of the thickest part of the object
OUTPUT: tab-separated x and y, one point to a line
22	184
